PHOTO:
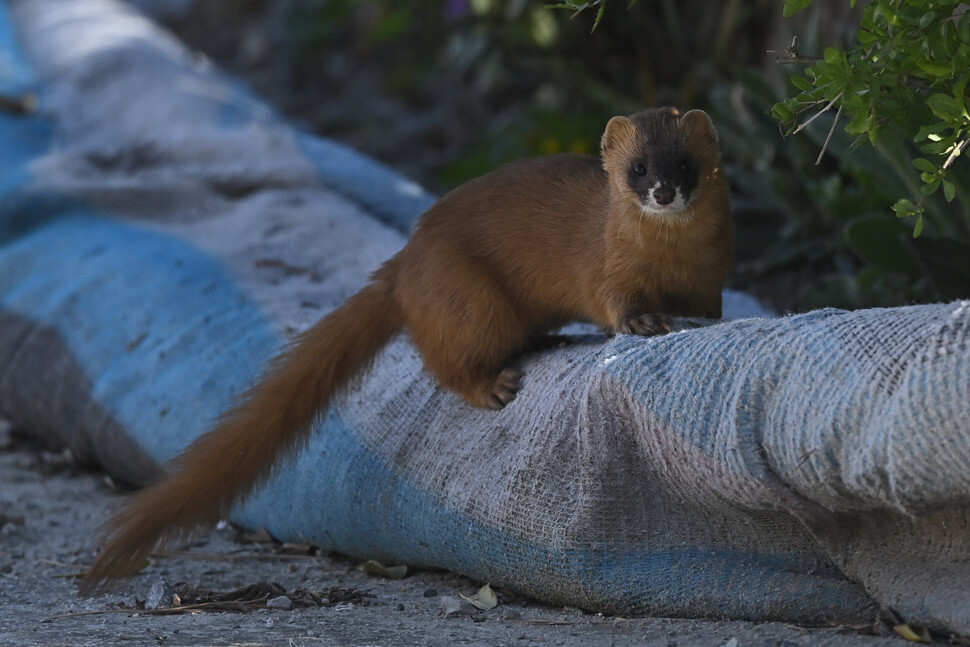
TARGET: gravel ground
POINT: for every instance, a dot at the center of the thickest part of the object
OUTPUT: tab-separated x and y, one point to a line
50	510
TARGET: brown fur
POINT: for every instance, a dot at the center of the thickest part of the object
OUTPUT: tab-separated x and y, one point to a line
490	268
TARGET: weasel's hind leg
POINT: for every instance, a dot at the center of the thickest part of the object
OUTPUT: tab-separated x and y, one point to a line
504	389
482	387
468	342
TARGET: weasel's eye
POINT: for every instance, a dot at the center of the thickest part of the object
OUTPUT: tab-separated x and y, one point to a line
640	169
684	166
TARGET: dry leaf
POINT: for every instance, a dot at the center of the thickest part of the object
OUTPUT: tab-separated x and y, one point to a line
915	634
485	598
390	572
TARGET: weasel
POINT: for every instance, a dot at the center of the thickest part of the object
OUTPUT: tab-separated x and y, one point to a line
625	241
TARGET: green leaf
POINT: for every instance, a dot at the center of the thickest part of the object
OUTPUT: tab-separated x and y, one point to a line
918	227
859	125
834	56
904	208
938	146
781	112
866	36
934	69
928	130
801	83
949	190
944	106
959	89
794	6
930	187
924	165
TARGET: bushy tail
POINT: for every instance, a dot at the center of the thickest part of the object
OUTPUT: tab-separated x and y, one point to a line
273	419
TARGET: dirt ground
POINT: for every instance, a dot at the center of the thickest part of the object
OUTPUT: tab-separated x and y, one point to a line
50	510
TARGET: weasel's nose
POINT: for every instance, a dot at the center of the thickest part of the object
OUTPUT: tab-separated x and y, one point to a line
664	195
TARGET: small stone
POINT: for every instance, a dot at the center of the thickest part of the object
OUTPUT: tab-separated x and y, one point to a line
161	595
430	593
279	602
11	520
451	605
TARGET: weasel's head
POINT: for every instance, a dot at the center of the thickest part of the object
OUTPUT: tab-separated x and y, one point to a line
660	158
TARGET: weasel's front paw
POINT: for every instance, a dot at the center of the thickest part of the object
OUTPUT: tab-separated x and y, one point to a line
646	324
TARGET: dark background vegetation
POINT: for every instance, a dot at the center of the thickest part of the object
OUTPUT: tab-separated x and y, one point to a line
445	90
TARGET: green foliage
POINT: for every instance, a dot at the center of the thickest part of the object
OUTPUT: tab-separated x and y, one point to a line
836	243
907	73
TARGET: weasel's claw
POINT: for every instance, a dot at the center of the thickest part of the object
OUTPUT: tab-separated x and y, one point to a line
506	386
647	324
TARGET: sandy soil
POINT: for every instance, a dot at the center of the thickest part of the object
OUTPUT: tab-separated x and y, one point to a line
50	510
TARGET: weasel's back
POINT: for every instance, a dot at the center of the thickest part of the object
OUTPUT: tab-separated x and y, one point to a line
535	227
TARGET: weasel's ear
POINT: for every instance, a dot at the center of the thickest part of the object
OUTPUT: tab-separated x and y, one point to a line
697	121
618	129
